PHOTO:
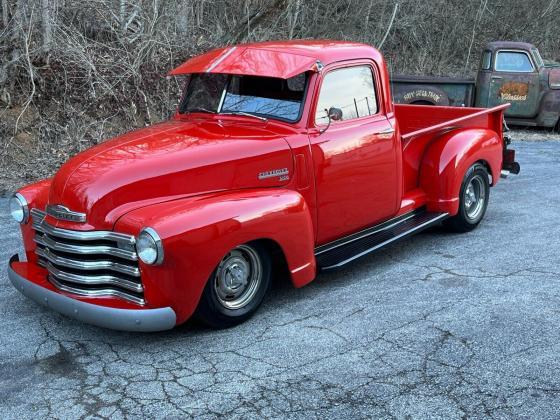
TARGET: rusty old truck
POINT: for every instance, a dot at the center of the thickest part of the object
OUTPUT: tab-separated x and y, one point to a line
509	72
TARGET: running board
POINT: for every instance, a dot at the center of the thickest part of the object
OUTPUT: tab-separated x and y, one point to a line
341	252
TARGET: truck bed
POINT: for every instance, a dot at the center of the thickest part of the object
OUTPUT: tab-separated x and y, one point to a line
420	125
415	120
447	91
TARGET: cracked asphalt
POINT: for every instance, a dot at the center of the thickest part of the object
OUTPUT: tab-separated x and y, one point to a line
439	326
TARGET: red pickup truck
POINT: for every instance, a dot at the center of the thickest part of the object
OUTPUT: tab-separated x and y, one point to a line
281	156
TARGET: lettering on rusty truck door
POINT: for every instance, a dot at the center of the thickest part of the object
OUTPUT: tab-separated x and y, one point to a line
515	79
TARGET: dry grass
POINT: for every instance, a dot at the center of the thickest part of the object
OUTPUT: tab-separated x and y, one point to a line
533	134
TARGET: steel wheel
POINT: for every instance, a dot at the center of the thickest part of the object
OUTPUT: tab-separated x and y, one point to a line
474	197
238	277
473	200
237	286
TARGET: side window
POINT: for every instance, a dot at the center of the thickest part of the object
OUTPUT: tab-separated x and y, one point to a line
349	89
514	61
537	57
486	60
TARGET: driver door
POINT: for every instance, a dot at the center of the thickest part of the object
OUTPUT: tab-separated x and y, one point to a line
354	157
515	80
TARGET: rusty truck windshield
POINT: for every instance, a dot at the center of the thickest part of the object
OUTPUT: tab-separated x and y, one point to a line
513	61
267	97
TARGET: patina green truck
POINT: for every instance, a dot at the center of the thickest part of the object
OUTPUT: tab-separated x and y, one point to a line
509	72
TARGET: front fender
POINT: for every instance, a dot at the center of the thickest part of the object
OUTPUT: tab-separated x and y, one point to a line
197	232
447	160
549	110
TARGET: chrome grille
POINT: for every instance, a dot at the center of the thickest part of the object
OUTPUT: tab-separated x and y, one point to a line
88	263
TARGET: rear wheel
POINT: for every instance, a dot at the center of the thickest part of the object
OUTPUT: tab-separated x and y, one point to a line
237	287
473	200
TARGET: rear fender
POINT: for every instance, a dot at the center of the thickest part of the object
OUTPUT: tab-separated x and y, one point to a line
447	160
197	232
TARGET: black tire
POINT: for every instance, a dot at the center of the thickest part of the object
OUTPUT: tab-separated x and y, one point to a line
428	103
217	309
473	200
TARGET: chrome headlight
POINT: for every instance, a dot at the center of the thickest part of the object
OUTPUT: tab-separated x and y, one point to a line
149	247
19	208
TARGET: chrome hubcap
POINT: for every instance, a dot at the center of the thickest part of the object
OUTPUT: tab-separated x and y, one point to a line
474	197
238	277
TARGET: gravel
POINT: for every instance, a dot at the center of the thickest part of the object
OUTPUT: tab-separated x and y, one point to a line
439	326
533	134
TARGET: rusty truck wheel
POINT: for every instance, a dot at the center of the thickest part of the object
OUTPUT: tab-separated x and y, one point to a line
473	200
237	287
422	103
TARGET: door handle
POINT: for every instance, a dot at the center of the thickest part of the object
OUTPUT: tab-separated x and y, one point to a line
497	77
387	131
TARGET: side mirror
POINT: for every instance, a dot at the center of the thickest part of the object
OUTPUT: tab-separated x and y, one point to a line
335	114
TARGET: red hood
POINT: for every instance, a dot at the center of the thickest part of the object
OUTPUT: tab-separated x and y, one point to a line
249	60
166	161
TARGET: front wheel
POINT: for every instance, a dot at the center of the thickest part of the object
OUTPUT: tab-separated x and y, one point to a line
473	200
237	287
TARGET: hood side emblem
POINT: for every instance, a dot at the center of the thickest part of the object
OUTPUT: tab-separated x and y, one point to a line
283	174
64	213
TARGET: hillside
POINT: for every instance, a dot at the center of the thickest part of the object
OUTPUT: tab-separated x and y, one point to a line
75	73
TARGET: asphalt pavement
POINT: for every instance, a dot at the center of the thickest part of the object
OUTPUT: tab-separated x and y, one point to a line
439	326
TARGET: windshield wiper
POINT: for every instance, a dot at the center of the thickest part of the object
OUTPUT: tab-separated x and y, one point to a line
200	109
246	114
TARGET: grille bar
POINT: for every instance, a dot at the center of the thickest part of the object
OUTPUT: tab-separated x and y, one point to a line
94	280
88	263
84	249
92	235
97	292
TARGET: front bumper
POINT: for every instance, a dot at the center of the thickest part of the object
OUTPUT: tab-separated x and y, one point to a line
139	320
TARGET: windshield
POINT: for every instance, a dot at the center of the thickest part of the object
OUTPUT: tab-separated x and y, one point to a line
267	97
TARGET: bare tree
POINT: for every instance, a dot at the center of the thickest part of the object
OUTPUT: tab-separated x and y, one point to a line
47	25
107	57
5	13
122	15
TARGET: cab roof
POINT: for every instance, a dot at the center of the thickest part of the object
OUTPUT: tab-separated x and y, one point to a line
497	45
281	59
